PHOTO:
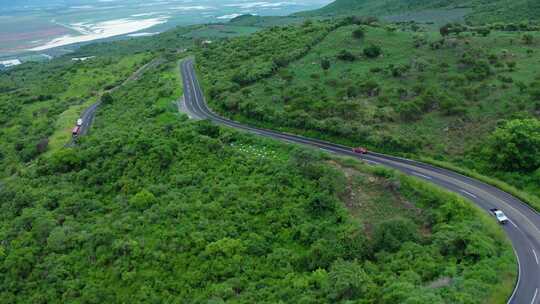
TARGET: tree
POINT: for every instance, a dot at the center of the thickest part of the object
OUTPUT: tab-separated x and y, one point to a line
534	91
319	203
445	30
515	146
390	28
484	31
511	65
143	200
348	280
373	51
345	55
391	234
325	64
521	86
107	98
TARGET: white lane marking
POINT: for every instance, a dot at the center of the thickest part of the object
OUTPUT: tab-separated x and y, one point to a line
371	162
513	224
327	150
535	256
468	193
518	278
421	175
535	294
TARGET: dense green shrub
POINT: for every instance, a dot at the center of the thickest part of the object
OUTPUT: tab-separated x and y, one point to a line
515	146
346	55
372	51
359	33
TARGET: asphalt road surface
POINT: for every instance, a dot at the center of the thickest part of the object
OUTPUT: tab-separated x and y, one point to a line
523	228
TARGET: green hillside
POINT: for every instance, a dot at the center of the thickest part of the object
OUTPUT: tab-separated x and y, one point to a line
477	11
151	207
467	98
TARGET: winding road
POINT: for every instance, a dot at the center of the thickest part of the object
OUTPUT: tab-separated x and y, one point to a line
523	229
89	113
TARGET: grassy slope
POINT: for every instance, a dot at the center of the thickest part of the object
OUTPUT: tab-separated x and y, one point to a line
375	119
481	10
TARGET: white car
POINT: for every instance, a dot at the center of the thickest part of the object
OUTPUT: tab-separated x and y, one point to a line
501	217
79	122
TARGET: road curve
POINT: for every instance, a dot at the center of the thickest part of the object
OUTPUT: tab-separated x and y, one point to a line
523	230
88	115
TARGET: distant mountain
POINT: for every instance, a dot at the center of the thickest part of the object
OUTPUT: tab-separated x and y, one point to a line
479	11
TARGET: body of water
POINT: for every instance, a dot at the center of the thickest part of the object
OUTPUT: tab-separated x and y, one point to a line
31	25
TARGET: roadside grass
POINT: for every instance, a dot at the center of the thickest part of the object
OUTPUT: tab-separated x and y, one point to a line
528	198
167	105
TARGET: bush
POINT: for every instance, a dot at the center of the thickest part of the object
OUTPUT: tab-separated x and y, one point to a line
528	39
107	98
346	55
142	200
391	234
515	146
480	71
372	51
348	280
359	33
534	91
325	64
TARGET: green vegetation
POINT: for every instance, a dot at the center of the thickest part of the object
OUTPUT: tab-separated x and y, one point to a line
40	103
445	95
477	11
152	207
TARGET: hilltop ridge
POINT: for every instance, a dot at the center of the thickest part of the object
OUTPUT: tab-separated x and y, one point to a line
475	11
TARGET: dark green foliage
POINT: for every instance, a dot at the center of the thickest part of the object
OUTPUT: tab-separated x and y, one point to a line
534	91
325	64
348	281
528	39
480	70
515	146
36	95
359	33
151	207
389	235
106	98
268	51
484	31
478	11
372	51
346	55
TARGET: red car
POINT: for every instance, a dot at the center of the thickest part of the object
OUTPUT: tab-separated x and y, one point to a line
360	150
76	131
